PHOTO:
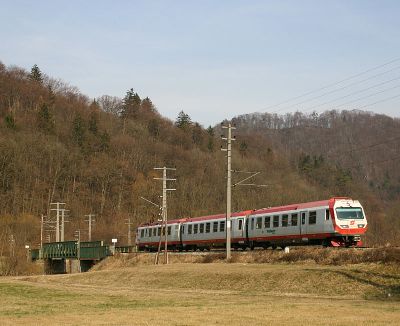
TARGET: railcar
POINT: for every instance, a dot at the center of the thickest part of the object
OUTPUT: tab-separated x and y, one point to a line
334	222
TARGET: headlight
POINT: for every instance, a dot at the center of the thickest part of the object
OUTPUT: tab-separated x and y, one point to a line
361	225
344	226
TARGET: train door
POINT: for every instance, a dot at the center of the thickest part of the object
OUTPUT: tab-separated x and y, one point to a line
303	222
239	228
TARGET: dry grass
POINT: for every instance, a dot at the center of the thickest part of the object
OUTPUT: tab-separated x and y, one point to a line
321	256
206	294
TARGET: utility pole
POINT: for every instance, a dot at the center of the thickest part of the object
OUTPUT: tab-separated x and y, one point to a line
129	223
228	150
62	236
57	209
41	231
90	220
164	212
78	248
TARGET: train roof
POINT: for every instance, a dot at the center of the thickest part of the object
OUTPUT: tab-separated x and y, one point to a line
253	212
291	207
199	218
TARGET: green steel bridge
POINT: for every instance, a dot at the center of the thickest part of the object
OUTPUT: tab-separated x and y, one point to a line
86	254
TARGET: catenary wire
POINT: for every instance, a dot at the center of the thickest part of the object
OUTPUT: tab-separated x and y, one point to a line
333	84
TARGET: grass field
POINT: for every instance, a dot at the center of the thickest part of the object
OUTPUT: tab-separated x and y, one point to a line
207	294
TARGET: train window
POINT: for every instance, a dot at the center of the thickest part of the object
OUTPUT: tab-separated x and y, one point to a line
215	226
159	231
312	217
154	232
327	215
195	228
169	230
267	222
285	220
240	226
183	229
252	223
163	230
142	233
208	227
222	226
276	221
303	218
259	223
201	228
190	229
294	219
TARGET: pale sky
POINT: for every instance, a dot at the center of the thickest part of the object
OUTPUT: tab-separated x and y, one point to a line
212	59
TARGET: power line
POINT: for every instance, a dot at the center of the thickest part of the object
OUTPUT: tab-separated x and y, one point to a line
338	89
353	93
380	101
333	84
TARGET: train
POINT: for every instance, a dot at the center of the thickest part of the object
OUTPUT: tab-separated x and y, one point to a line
335	222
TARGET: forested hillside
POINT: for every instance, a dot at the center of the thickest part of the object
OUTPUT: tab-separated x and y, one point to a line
97	156
354	153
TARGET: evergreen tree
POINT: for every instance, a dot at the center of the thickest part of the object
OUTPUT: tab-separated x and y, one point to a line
210	131
78	130
131	104
36	74
93	123
44	119
183	120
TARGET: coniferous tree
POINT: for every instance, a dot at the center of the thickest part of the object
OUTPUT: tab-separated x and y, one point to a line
78	130
131	104
93	123
183	120
44	119
36	74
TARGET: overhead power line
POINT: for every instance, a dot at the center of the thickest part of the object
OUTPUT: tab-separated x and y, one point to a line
380	101
333	84
351	94
337	90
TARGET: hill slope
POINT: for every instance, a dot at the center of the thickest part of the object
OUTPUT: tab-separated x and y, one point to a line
98	157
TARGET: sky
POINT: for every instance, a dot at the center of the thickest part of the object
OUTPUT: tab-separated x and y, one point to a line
214	59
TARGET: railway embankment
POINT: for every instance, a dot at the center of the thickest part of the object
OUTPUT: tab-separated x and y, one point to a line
296	255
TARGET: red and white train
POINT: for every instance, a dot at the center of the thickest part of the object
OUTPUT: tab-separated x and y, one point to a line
335	222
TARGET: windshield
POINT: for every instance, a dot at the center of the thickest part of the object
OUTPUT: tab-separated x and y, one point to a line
350	213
